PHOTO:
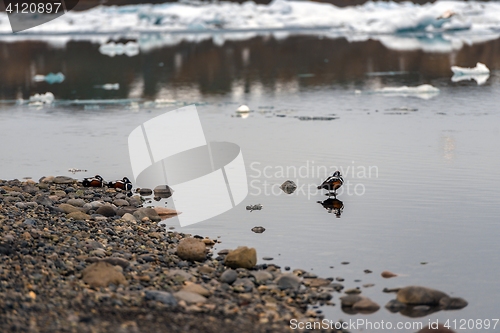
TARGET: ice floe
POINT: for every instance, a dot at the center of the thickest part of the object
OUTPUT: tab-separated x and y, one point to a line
425	91
480	73
40	99
50	78
441	26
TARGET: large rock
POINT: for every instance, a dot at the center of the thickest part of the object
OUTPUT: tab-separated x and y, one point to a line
415	295
63	180
366	306
79	216
191	249
163	191
147	212
76	202
102	274
106	210
288	281
67	208
242	257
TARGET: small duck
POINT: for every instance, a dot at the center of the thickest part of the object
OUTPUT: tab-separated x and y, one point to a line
124	184
333	206
97	181
332	183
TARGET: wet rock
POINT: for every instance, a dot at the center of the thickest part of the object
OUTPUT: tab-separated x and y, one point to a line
316	282
288	281
229	276
452	303
163	191
145	192
387	274
395	306
150	213
191	249
258	230
102	274
161	296
165	213
251	208
63	180
189	297
106	210
350	300
242	257
288	187
366	306
80	216
416	295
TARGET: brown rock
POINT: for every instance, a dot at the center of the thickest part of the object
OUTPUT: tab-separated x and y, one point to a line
191	249
80	216
366	306
67	208
197	289
102	274
416	295
242	257
106	210
165	213
387	274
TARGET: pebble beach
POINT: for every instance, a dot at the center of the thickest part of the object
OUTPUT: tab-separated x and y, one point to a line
79	259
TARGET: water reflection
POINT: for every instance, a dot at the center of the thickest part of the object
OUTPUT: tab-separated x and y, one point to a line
237	67
333	205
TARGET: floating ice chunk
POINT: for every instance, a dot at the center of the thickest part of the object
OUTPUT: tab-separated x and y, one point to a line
425	91
479	78
112	49
109	86
479	69
243	109
40	99
50	78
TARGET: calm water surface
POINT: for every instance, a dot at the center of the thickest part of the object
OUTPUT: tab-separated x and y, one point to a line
421	174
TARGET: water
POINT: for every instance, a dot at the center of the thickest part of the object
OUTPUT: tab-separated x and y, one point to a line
421	174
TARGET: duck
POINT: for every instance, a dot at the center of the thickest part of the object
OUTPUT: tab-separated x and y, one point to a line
124	184
97	181
333	206
332	183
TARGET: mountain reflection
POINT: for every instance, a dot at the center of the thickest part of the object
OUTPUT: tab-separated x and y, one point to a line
297	62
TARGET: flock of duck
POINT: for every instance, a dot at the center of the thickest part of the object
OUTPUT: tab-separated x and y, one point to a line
98	181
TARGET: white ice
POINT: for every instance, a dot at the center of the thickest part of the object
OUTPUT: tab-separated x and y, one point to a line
478	70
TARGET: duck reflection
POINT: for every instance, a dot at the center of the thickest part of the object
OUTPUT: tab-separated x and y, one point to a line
333	205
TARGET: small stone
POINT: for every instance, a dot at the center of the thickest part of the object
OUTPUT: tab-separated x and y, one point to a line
395	306
76	202
242	257
229	276
387	274
267	258
317	282
30	222
288	187
191	249
106	210
258	230
262	276
367	271
189	297
161	296
102	274
165	213
353	291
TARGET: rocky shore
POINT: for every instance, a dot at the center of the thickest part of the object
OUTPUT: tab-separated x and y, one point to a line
78	259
